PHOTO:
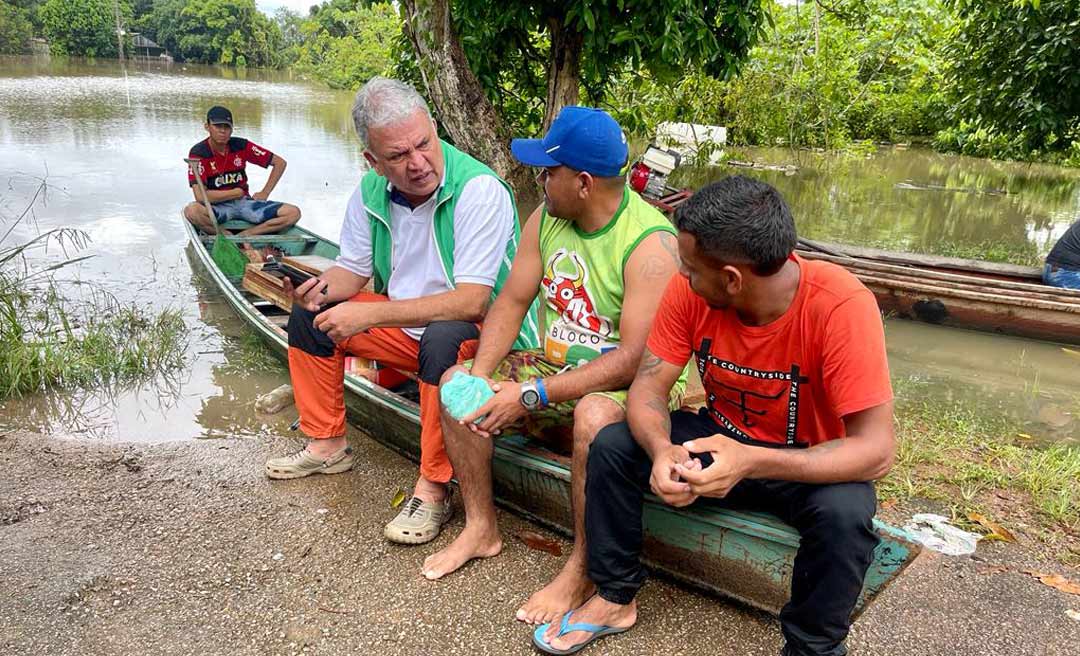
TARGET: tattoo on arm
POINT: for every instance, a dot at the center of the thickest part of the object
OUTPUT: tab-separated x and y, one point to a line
671	245
660	407
655	267
649	363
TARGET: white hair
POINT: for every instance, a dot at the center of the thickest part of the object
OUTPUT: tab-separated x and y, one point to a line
383	101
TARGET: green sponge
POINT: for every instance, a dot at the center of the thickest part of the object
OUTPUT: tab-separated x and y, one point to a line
463	394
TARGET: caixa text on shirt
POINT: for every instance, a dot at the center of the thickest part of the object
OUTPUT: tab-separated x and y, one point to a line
233	177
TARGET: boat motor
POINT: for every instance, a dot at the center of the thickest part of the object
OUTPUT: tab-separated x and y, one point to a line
649	175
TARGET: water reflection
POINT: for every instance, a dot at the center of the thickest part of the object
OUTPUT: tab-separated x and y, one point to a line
920	201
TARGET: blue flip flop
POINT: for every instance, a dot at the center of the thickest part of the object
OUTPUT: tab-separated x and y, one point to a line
566	627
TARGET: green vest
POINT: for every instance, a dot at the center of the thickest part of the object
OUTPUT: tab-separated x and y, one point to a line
459	169
583	283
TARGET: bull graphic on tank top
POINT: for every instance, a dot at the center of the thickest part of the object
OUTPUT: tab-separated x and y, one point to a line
579	333
740	398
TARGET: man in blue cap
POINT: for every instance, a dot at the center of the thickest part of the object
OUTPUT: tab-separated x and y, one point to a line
601	257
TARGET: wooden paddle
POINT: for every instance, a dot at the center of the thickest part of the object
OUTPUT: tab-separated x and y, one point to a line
193	164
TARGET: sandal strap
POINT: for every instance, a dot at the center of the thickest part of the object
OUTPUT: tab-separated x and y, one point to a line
567	627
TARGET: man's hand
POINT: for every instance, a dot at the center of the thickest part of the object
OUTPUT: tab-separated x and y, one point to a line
665	480
261	195
345	320
730	465
311	295
501	410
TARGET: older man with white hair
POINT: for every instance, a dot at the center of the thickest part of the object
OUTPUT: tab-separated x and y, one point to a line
434	231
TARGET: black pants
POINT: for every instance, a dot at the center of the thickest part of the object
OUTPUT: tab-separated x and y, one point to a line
834	522
439	344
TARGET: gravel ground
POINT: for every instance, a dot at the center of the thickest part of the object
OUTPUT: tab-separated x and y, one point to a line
185	548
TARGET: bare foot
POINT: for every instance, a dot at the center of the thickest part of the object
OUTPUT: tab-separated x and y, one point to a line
472	543
596	610
570	588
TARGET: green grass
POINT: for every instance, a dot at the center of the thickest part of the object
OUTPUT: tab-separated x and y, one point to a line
48	340
52	343
957	456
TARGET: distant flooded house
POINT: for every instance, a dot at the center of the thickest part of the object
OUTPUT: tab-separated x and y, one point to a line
144	47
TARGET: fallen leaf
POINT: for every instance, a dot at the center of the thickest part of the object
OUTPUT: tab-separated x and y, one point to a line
888	504
399	498
1025	436
997	531
1056	581
540	543
1075	614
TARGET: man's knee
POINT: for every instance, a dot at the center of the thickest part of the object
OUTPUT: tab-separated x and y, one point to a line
613	448
290	213
305	336
195	213
439	347
593	413
449	373
842	510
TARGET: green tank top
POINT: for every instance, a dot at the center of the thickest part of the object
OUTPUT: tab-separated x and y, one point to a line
583	278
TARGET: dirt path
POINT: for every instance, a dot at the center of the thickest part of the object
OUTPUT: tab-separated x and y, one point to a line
184	548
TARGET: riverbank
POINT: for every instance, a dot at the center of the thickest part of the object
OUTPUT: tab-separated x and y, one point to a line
184	548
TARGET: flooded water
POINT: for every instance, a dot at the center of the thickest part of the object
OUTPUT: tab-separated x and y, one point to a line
918	200
110	141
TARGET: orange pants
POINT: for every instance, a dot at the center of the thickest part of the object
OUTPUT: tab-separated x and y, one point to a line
317	369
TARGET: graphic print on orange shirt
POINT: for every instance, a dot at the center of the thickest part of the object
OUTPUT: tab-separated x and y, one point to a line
755	398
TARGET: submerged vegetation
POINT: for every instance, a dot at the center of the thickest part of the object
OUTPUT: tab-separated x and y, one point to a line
48	339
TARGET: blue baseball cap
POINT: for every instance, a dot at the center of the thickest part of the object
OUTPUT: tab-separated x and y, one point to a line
583	138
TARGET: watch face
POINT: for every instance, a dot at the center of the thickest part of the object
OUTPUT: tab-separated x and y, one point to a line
530	398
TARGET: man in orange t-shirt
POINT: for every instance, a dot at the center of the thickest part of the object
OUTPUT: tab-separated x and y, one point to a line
798	419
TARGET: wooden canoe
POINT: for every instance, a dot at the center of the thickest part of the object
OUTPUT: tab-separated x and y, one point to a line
992	297
741	555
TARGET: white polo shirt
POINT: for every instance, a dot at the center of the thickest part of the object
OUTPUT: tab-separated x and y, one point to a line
483	228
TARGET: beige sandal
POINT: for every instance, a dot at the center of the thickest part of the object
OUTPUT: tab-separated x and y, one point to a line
419	521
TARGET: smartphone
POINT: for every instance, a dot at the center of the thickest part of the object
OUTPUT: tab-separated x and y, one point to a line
283	270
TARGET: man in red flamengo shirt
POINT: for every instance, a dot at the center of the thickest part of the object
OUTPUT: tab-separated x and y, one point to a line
222	158
798	419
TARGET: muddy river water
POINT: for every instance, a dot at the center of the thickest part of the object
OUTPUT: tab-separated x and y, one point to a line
109	141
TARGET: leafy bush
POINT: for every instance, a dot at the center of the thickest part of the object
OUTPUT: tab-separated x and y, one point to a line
15	30
346	47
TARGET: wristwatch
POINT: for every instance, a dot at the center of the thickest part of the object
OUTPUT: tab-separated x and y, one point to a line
530	396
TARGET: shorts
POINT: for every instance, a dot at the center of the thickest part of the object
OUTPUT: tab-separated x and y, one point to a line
1058	276
246	209
523	366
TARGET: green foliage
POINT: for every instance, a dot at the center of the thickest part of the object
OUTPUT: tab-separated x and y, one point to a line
82	27
508	45
48	341
15	30
290	23
344	45
1014	79
230	32
876	76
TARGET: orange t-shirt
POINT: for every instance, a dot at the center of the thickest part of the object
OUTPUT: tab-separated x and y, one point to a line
791	381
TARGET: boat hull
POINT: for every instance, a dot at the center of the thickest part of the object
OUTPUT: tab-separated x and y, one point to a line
741	555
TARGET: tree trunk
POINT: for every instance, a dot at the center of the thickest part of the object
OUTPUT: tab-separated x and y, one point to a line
564	69
460	104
